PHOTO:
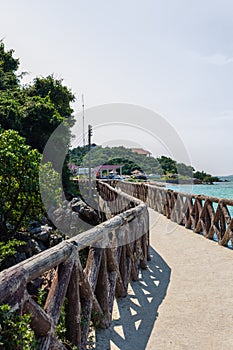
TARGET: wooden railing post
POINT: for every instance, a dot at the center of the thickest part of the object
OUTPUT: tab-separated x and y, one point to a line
73	306
102	288
195	212
117	248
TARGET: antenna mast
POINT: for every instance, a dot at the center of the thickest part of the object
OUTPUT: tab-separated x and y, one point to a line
83	120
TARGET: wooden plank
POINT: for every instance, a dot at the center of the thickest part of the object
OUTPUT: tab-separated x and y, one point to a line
86	306
41	322
105	277
39	264
73	307
113	266
93	265
86	293
102	288
123	268
58	289
112	276
133	272
28	270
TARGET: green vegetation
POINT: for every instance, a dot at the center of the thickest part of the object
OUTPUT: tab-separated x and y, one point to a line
34	110
164	167
28	116
9	249
15	332
206	177
115	155
20	197
50	180
8	68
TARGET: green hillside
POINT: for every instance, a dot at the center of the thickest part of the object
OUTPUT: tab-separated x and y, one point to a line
121	155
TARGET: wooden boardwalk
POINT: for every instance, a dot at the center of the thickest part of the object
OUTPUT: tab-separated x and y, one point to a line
184	300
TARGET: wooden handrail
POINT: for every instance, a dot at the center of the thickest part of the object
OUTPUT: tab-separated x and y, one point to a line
117	249
200	213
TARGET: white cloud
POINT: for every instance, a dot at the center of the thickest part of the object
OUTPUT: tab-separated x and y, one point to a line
217	59
226	115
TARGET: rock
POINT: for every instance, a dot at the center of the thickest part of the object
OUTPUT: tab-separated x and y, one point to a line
42	236
35	230
69	196
35	247
34	224
85	212
42	246
46	228
72	217
55	239
35	227
76	204
45	221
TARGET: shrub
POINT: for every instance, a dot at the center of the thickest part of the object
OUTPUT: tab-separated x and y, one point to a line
15	331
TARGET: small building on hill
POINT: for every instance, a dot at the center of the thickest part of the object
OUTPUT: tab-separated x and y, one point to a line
141	151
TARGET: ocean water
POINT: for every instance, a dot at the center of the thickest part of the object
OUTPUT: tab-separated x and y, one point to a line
218	189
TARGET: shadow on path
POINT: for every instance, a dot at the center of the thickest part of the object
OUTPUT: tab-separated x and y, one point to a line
135	315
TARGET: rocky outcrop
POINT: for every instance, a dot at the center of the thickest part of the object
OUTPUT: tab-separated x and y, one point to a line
85	212
72	217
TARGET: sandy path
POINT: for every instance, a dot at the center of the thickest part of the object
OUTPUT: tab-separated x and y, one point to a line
184	300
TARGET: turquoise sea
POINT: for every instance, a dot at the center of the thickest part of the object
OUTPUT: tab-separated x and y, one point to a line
218	189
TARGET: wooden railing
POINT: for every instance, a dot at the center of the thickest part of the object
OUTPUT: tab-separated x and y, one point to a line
89	290
202	214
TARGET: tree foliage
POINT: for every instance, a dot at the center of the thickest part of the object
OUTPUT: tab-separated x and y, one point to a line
8	68
10	110
9	249
185	170
203	176
19	187
50	185
35	110
39	120
59	95
115	155
120	155
168	165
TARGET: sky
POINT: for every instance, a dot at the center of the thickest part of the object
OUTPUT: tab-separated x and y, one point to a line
172	57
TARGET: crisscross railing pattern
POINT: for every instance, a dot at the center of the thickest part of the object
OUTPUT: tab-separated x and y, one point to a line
202	214
117	249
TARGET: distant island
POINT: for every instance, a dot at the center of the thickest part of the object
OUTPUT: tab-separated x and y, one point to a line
164	169
228	178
